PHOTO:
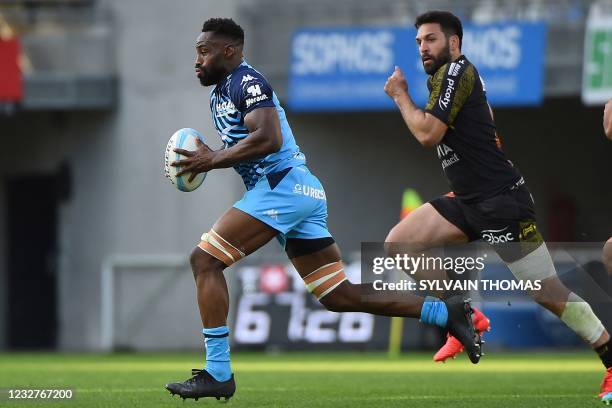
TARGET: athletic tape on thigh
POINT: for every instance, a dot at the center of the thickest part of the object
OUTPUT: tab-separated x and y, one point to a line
579	317
216	246
325	279
536	265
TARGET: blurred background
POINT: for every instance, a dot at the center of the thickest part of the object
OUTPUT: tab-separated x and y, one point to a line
94	241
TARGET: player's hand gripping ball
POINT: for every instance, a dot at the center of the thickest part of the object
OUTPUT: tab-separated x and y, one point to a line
185	139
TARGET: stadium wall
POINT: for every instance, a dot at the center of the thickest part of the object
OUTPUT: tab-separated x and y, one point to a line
120	201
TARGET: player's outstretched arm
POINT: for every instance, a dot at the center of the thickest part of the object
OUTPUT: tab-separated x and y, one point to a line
607	121
426	128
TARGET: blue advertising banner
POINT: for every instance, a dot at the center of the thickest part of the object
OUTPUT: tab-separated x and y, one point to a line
345	69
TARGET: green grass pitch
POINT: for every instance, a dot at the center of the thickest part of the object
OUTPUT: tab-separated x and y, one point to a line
313	380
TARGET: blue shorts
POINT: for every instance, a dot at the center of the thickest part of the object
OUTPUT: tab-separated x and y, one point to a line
292	201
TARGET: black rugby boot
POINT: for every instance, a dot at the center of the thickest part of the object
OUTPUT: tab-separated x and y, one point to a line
202	385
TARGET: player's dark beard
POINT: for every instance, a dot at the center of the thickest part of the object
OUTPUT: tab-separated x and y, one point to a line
438	61
209	76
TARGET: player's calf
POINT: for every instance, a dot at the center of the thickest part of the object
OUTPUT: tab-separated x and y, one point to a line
571	308
556	297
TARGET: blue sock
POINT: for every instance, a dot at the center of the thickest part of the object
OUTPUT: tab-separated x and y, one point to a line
434	312
217	352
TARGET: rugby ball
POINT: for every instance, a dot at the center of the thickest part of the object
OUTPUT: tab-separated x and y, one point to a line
182	139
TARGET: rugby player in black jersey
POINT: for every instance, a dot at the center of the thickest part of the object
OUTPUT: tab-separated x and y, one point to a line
490	199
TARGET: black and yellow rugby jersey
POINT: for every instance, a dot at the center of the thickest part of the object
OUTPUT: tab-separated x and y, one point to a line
470	151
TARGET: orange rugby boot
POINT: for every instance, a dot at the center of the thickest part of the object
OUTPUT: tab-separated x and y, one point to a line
606	388
452	347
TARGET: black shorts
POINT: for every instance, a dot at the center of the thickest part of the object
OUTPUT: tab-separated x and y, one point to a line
501	221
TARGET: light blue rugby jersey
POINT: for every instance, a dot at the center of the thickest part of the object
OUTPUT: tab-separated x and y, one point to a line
242	91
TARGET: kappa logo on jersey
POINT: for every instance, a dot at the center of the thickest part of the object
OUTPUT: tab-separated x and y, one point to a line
453	69
497	236
247	78
309	191
225	108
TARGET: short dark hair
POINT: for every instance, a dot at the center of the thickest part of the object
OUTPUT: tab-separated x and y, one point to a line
449	23
225	27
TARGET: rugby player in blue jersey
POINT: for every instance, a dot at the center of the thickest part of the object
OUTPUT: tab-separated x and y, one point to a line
284	200
490	199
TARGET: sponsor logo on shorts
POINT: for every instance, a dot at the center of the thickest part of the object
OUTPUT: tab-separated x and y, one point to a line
499	236
309	191
529	232
272	213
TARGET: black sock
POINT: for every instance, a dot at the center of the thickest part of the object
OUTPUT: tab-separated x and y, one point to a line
605	353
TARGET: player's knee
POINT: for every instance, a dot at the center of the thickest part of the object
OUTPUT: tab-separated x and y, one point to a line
607	256
396	236
398	241
329	284
203	263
